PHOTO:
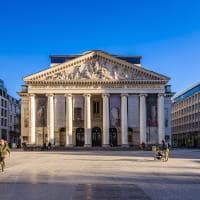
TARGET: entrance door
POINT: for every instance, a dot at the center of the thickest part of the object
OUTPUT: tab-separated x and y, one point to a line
80	137
113	137
96	137
62	137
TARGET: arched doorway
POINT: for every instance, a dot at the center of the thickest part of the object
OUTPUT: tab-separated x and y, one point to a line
96	137
62	137
80	137
113	137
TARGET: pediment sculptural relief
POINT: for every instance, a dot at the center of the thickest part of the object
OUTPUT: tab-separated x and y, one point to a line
96	69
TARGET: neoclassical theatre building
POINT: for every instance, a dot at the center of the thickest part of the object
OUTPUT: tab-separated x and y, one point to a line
95	99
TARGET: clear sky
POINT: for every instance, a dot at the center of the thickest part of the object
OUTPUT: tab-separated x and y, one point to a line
166	33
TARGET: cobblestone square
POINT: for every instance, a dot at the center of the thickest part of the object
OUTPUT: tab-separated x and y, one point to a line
101	175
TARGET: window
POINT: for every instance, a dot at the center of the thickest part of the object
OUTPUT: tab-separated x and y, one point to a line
166	117
77	113
96	107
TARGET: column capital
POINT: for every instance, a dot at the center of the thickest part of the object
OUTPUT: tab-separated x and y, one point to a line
68	95
32	95
50	95
161	95
124	95
105	95
87	95
143	95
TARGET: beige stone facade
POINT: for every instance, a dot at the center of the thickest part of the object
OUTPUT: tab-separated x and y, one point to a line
95	99
186	118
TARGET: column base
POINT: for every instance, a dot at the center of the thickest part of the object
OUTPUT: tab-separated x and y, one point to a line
69	145
106	145
87	145
125	145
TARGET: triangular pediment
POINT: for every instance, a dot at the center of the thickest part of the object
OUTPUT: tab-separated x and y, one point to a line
95	66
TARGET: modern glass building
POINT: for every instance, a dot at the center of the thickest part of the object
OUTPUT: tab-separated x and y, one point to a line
186	118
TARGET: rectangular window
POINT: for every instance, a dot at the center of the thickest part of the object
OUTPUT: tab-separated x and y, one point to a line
96	109
77	113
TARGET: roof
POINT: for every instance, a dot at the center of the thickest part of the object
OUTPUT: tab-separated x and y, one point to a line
186	93
91	55
57	59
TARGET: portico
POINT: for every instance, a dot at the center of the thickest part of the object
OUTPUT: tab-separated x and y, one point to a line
95	93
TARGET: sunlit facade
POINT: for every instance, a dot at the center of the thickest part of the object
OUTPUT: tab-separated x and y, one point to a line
186	118
96	99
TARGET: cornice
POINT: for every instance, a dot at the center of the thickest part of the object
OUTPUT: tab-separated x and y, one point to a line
95	82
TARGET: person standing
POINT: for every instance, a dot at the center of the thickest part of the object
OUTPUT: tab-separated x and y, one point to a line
165	150
4	151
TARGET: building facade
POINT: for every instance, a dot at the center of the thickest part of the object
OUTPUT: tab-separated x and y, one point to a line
95	99
186	118
9	116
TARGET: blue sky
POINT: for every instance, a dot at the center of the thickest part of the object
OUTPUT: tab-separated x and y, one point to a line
165	33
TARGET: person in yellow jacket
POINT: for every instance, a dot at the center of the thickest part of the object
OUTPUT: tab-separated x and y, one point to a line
4	151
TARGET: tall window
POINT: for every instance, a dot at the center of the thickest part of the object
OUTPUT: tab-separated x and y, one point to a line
166	118
96	109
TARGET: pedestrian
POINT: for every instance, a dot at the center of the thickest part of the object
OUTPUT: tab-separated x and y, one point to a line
165	150
49	146
4	151
164	146
142	146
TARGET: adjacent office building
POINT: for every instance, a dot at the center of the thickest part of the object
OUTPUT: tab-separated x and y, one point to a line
186	118
9	116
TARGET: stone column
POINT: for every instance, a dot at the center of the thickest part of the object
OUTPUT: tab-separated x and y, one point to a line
161	118
143	119
51	118
87	120
124	120
69	120
32	119
106	120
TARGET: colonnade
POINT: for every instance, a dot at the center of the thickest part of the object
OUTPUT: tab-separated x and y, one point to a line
106	125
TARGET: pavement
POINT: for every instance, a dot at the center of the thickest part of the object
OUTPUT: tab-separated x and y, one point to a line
101	175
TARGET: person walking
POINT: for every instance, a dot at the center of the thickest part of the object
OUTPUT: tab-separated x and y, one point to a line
165	150
4	151
49	146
